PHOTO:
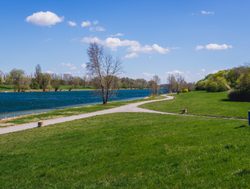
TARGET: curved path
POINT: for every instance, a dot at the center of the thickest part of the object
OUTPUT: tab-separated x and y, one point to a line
133	107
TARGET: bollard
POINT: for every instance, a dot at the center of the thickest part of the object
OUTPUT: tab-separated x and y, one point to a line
249	117
40	124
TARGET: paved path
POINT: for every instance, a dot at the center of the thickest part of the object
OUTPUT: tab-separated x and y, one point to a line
133	107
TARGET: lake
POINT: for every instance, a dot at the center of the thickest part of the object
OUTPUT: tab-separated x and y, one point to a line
15	104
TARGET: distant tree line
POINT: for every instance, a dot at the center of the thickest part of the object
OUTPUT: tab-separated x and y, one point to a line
176	83
21	82
235	80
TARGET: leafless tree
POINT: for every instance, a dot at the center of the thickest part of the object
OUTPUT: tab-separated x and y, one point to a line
154	84
172	83
105	69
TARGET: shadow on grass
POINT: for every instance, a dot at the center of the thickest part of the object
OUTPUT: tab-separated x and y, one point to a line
240	127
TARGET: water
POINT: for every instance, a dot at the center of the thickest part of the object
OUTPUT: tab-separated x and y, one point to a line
15	104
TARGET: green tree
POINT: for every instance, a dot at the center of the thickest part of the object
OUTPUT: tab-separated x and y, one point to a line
45	81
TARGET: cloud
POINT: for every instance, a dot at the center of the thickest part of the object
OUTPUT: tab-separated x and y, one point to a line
72	24
174	72
117	35
92	40
44	18
134	48
86	24
203	12
93	26
97	28
70	66
84	65
213	46
131	55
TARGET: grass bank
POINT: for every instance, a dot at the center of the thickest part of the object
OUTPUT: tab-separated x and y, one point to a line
203	103
129	150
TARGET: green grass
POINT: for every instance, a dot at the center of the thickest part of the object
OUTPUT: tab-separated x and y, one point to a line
6	87
203	103
129	150
69	112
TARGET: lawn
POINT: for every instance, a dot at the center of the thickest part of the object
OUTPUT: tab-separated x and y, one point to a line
129	150
203	103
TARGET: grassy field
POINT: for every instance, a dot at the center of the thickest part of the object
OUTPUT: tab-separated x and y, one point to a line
69	112
203	103
129	150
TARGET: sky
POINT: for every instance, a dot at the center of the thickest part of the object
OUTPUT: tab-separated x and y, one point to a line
189	37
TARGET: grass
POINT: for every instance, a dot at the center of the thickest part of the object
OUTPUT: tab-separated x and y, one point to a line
6	87
68	112
129	150
203	103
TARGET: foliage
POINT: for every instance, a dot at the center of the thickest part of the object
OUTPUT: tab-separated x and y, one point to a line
225	80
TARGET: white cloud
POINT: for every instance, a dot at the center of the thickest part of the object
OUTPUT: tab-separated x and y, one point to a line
70	66
214	46
133	47
93	26
92	40
117	35
97	28
175	72
72	24
44	18
83	65
204	12
86	24
131	55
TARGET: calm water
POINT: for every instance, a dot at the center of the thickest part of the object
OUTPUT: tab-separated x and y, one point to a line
14	104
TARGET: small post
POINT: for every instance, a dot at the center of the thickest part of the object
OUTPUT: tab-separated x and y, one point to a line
40	124
249	117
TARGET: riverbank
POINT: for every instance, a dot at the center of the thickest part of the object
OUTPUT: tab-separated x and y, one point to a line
69	111
130	150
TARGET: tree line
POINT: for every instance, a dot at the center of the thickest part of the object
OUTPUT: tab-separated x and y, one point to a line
21	82
235	80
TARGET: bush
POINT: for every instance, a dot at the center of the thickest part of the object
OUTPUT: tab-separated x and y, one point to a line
212	87
201	85
239	95
185	90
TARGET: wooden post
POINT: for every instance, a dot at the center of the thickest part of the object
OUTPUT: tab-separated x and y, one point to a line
40	124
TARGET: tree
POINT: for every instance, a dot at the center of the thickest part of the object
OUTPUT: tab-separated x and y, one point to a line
154	84
38	76
1	77
45	81
104	68
55	82
172	83
19	80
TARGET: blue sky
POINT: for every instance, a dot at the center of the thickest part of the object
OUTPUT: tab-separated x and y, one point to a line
193	37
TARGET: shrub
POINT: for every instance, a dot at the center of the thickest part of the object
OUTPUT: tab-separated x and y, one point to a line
185	90
239	95
201	85
212	86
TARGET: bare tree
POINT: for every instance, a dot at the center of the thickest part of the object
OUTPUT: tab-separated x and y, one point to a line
154	84
172	83
105	69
